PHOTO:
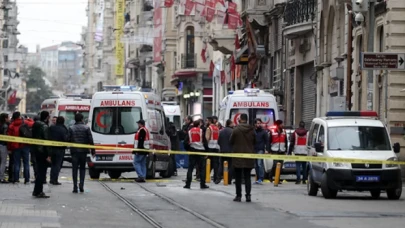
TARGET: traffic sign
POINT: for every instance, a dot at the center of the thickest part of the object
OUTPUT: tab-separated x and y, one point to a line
383	61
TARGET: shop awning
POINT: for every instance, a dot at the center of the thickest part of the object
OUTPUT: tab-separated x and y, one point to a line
184	74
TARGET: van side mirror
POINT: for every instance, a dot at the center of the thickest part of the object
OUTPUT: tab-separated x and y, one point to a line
318	147
396	147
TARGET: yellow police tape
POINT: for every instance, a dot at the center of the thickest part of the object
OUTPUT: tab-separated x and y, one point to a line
31	141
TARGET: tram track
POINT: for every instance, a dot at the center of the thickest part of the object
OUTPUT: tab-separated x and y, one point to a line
148	218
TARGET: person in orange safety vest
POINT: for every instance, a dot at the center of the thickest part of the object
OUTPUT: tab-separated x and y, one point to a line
278	144
212	135
195	138
298	144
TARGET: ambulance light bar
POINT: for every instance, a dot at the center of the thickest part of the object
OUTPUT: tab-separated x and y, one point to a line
230	92
352	114
251	91
119	88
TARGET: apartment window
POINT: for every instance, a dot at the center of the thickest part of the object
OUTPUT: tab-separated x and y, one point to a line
6	58
189	47
175	60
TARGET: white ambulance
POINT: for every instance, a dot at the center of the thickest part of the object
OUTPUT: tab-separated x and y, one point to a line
173	113
67	107
113	121
251	101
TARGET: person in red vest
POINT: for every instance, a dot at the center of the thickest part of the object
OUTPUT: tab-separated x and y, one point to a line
212	135
141	142
19	150
195	139
298	144
278	145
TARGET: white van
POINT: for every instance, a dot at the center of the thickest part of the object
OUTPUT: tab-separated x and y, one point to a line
112	120
356	135
173	113
67	107
251	101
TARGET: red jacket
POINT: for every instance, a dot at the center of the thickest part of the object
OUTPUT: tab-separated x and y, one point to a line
14	130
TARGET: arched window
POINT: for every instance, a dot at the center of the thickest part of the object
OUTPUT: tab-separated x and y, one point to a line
190	56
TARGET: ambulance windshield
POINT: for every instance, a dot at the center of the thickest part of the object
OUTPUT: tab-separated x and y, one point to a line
70	117
266	115
116	120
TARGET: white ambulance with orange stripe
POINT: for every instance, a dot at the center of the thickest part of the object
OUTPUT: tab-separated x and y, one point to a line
67	107
251	101
113	121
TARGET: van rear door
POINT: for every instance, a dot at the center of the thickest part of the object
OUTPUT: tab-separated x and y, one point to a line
101	125
127	113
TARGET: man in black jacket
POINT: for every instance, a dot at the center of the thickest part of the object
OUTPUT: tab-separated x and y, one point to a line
40	130
226	147
261	146
57	132
79	133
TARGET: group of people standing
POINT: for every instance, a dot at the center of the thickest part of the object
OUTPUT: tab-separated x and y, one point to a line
242	138
41	156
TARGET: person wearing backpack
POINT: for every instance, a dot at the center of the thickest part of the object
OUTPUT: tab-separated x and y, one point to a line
20	128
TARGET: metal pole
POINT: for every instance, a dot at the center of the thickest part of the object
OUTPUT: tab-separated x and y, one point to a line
6	105
386	97
348	64
370	48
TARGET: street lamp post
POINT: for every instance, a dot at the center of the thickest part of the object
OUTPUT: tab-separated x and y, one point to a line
370	48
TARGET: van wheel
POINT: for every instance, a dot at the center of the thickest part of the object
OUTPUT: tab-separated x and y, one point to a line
94	173
114	174
151	168
312	187
170	170
326	191
375	194
395	193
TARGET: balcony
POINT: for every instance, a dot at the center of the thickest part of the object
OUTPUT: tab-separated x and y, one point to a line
299	17
222	39
188	61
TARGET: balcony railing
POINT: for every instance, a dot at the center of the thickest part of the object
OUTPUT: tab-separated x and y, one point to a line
188	61
299	11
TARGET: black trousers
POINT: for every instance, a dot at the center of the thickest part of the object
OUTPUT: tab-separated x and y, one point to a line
34	162
215	164
273	169
42	166
238	180
173	157
11	168
57	160
194	160
78	162
230	168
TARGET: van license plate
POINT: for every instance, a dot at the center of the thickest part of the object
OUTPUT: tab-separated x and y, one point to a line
367	178
289	165
104	158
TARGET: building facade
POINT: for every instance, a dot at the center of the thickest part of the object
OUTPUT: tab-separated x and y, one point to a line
12	60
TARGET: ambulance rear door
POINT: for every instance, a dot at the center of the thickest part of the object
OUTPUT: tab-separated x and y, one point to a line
101	122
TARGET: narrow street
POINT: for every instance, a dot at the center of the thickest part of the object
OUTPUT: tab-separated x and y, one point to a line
164	203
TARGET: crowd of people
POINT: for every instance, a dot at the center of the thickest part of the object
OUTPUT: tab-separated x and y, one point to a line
211	136
42	157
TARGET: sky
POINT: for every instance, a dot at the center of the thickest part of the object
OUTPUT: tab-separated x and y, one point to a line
49	22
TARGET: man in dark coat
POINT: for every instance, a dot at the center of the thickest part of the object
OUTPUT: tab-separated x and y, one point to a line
226	147
40	130
243	140
175	144
57	132
79	133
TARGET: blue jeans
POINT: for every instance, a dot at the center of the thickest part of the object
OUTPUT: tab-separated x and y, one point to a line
140	165
23	153
259	167
298	166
